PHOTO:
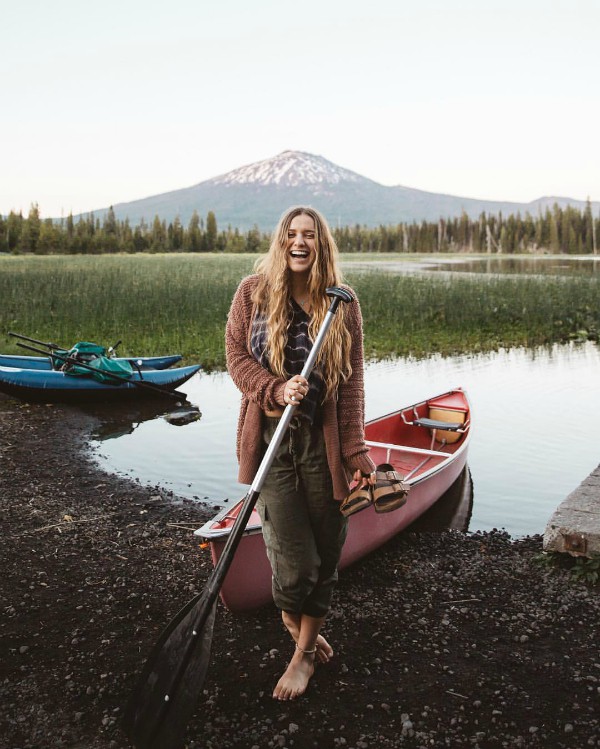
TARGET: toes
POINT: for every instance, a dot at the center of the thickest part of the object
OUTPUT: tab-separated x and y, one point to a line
324	650
323	656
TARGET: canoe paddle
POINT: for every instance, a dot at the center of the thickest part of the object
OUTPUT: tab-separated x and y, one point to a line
54	347
172	677
157	389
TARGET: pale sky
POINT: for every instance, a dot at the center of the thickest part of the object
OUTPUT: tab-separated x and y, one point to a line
106	102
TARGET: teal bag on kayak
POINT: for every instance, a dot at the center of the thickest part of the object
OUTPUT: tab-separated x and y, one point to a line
83	351
104	367
94	356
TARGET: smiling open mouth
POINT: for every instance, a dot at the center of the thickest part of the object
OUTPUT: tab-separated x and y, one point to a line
299	253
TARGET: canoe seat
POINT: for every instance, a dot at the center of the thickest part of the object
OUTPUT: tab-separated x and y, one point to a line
446	425
449	426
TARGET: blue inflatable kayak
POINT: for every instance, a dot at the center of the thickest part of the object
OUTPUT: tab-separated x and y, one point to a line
49	386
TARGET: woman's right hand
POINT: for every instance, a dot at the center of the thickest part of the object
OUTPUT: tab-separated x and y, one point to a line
295	389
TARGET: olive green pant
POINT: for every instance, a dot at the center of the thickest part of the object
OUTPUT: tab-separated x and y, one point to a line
303	528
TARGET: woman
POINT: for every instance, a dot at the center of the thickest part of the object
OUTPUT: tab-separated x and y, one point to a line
274	317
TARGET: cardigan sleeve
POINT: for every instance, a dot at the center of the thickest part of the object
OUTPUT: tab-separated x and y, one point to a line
351	399
254	381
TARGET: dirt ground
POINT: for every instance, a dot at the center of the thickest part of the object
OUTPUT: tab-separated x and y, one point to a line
442	639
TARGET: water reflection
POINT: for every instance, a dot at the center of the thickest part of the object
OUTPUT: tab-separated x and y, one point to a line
543	265
453	509
531	444
527	265
116	422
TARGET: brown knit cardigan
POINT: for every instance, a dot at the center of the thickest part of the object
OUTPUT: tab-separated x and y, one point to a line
343	418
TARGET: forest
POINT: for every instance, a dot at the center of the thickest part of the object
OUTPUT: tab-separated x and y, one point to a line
558	230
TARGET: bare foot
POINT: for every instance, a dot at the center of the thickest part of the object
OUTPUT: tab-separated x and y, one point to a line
324	650
294	681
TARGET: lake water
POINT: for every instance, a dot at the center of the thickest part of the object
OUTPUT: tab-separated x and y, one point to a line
533	435
523	265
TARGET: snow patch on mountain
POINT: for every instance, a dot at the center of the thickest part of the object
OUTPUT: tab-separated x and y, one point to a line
289	169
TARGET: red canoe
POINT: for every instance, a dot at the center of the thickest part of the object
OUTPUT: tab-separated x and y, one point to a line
427	443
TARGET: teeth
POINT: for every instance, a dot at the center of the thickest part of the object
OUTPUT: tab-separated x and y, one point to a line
299	254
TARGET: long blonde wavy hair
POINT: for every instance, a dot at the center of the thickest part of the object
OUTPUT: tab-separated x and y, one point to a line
273	295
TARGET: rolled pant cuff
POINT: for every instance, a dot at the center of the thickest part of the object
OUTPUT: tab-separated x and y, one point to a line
310	609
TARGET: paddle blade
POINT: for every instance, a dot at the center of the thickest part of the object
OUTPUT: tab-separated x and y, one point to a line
171	682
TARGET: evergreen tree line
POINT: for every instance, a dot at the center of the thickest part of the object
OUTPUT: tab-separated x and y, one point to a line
557	230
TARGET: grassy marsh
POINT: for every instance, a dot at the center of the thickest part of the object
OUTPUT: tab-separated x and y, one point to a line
179	302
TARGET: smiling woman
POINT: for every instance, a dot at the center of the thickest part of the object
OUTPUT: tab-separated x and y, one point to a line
271	328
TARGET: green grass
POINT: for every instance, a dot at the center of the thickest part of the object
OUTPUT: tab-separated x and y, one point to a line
430	313
154	303
178	303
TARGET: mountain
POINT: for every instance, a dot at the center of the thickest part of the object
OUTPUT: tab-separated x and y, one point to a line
258	194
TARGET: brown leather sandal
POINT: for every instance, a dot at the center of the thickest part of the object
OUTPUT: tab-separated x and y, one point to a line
358	499
389	492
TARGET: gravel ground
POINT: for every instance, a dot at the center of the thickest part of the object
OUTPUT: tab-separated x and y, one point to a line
442	639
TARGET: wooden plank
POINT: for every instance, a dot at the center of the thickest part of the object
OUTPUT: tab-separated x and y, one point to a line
574	528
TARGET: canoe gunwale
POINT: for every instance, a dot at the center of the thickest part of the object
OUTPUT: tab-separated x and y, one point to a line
213	534
210	534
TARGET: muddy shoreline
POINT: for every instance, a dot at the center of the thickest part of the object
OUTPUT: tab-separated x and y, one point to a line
442	639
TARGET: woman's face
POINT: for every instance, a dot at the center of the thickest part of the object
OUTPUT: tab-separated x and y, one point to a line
300	246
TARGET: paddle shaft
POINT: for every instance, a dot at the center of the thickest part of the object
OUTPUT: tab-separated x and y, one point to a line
54	346
203	622
218	575
51	346
112	349
138	383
